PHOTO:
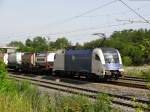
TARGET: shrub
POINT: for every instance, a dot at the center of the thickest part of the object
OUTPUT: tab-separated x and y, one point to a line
3	71
127	61
103	104
77	103
73	103
3	75
146	74
23	97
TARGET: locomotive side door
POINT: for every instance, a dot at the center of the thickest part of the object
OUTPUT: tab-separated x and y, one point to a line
59	61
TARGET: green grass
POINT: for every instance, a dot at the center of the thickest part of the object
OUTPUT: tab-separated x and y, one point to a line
83	104
23	97
141	72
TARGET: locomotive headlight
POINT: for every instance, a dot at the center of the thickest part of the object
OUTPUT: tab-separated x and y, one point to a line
103	72
121	70
107	72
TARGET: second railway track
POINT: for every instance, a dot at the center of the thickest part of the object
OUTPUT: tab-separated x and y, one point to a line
132	78
129	83
74	89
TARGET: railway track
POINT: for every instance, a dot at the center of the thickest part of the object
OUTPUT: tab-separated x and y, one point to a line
129	83
126	77
125	81
74	89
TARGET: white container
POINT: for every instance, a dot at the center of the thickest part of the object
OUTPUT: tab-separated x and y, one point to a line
15	58
44	58
6	58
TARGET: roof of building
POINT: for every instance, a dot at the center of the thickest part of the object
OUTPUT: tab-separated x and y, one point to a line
6	47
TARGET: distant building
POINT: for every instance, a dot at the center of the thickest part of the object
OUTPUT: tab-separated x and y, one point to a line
5	49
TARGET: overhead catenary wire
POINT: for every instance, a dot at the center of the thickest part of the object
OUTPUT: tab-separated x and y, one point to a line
87	29
134	11
87	12
118	13
123	12
74	31
132	21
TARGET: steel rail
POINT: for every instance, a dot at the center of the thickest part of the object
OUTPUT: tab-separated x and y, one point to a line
132	78
128	84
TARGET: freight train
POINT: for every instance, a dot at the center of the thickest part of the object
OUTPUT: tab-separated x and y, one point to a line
92	63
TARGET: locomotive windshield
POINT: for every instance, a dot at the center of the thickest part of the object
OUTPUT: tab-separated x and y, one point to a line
110	55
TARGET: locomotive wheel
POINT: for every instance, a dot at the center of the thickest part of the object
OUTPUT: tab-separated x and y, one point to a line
106	78
116	76
88	76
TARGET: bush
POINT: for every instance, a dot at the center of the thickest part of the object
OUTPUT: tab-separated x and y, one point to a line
22	97
146	75
127	61
3	71
140	71
3	75
73	104
103	104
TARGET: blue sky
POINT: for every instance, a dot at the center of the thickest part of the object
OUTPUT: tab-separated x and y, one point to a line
21	19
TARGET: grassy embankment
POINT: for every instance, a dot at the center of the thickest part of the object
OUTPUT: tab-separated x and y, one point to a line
24	97
140	71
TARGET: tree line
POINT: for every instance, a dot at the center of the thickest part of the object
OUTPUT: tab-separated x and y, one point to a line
134	45
40	44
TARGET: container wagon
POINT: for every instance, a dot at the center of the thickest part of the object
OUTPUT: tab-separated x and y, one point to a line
15	60
45	61
4	57
28	62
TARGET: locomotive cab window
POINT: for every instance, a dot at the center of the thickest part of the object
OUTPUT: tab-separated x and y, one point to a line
97	57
